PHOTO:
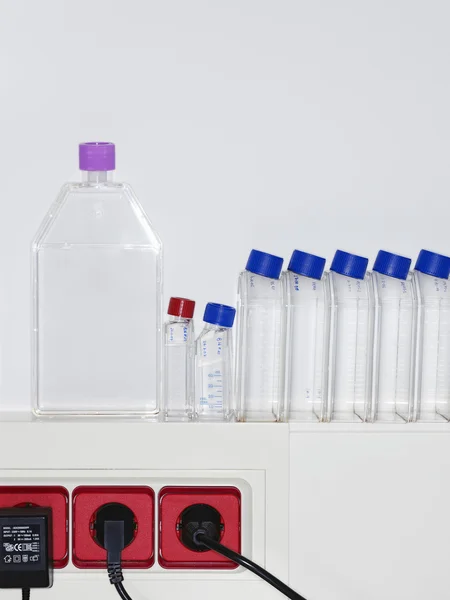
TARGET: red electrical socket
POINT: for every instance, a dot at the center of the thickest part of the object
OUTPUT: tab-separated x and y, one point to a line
173	554
86	500
54	497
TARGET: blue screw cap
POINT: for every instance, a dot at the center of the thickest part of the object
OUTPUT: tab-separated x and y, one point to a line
350	265
264	264
308	265
433	264
392	265
219	314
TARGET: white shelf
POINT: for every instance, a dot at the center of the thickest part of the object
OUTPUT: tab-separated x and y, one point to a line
367	511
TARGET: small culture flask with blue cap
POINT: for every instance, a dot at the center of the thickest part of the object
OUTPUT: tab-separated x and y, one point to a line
214	365
394	341
351	339
307	321
432	385
260	348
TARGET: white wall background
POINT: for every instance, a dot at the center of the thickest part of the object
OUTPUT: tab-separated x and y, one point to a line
275	124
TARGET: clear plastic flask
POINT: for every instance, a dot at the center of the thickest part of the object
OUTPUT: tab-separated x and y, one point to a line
307	319
432	392
214	360
259	352
394	342
351	338
97	284
179	356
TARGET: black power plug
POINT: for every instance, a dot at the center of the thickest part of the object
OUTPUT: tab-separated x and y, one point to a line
200	528
114	511
199	519
114	528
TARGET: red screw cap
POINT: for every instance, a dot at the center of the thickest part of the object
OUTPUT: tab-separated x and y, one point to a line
181	307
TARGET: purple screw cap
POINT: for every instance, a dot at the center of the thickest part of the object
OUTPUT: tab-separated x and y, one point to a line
97	156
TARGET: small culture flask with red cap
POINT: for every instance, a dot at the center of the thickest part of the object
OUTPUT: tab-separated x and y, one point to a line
179	356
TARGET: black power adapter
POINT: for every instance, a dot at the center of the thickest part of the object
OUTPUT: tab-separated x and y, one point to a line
26	548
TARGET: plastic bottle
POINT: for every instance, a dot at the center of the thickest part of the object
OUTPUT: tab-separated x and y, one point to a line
395	329
213	357
432	393
259	353
97	277
179	347
351	338
307	310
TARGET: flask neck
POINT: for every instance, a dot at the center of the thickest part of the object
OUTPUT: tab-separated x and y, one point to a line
212	327
96	177
176	319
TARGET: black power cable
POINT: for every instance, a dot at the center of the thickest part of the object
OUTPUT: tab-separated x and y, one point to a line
202	539
200	531
114	544
114	529
122	591
26	594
